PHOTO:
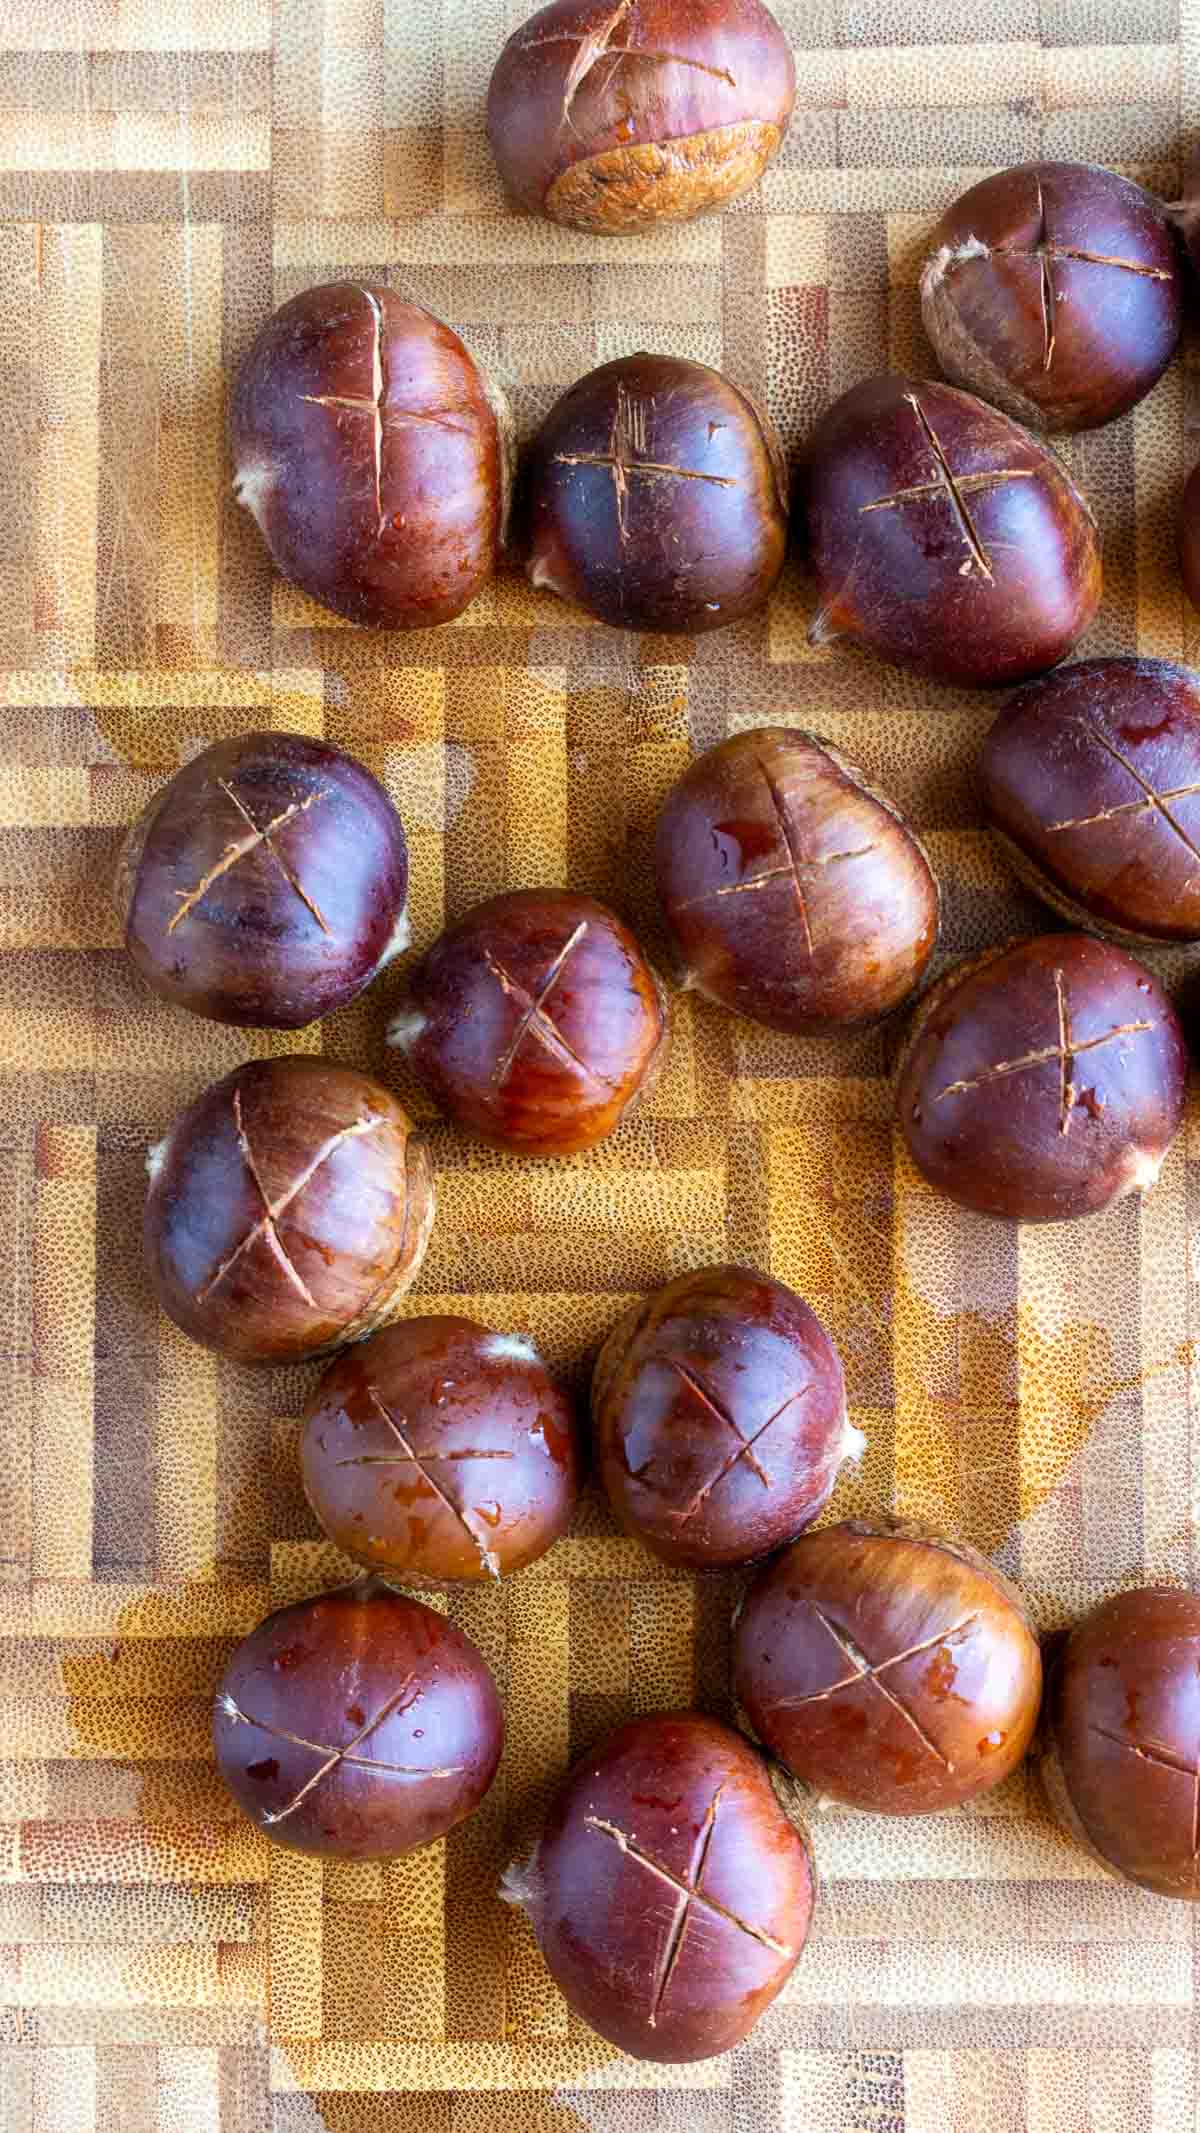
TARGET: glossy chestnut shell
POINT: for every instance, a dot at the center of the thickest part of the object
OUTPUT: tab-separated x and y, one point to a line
1189	536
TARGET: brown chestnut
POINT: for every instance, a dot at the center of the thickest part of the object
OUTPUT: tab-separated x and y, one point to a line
1043	1080
669	1892
613	116
439	1449
358	1724
1189	536
535	1021
1056	291
891	1669
655	495
289	1209
944	537
795	892
373	452
719	1413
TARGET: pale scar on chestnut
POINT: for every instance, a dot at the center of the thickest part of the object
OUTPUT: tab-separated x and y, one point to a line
272	1209
335	1756
630	435
1066	1051
867	1670
534	1019
407	1455
953	488
235	853
1151	797
745	1444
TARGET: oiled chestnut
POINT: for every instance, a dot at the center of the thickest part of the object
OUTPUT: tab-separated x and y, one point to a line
719	1415
944	537
656	496
265	883
614	114
439	1449
358	1724
289	1209
1189	536
535	1021
891	1669
373	453
1056	291
1122	1766
670	1894
795	892
1043	1080
1090	779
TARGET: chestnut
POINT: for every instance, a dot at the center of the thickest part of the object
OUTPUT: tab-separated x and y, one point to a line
440	1450
357	1724
719	1416
614	116
944	537
669	1892
373	452
892	1669
1090	779
535	1021
795	892
1056	291
1043	1080
289	1209
1189	536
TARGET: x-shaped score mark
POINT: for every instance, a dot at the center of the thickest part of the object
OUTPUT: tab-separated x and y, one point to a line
408	1456
866	1670
1154	1752
236	852
630	435
1046	250
952	488
1066	1051
744	1448
265	1227
1151	797
598	45
535	1022
334	1757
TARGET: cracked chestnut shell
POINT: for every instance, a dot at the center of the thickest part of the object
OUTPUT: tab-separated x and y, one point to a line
373	453
795	893
1043	1080
357	1725
892	1670
289	1209
670	1894
1189	536
944	537
615	116
656	496
440	1450
1056	291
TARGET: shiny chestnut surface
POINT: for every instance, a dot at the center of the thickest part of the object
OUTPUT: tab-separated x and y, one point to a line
1189	536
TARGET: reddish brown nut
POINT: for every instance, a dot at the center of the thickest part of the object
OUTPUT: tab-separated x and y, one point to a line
1189	536
944	537
613	116
289	1209
669	1892
891	1669
796	893
535	1021
1043	1080
440	1450
373	453
358	1724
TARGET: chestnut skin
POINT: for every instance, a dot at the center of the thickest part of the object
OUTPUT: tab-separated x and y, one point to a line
719	1417
1056	291
1189	536
373	452
795	893
266	883
614	114
954	1666
357	1725
440	1450
536	1021
1090	779
666	1806
1043	1080
288	1211
944	537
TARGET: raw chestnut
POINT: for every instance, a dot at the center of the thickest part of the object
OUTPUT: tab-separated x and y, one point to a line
438	1449
289	1209
719	1414
374	454
265	884
1043	1080
535	1021
1122	1767
670	1894
655	494
358	1724
890	1669
1090	779
796	893
611	117
1189	536
1056	291
944	537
